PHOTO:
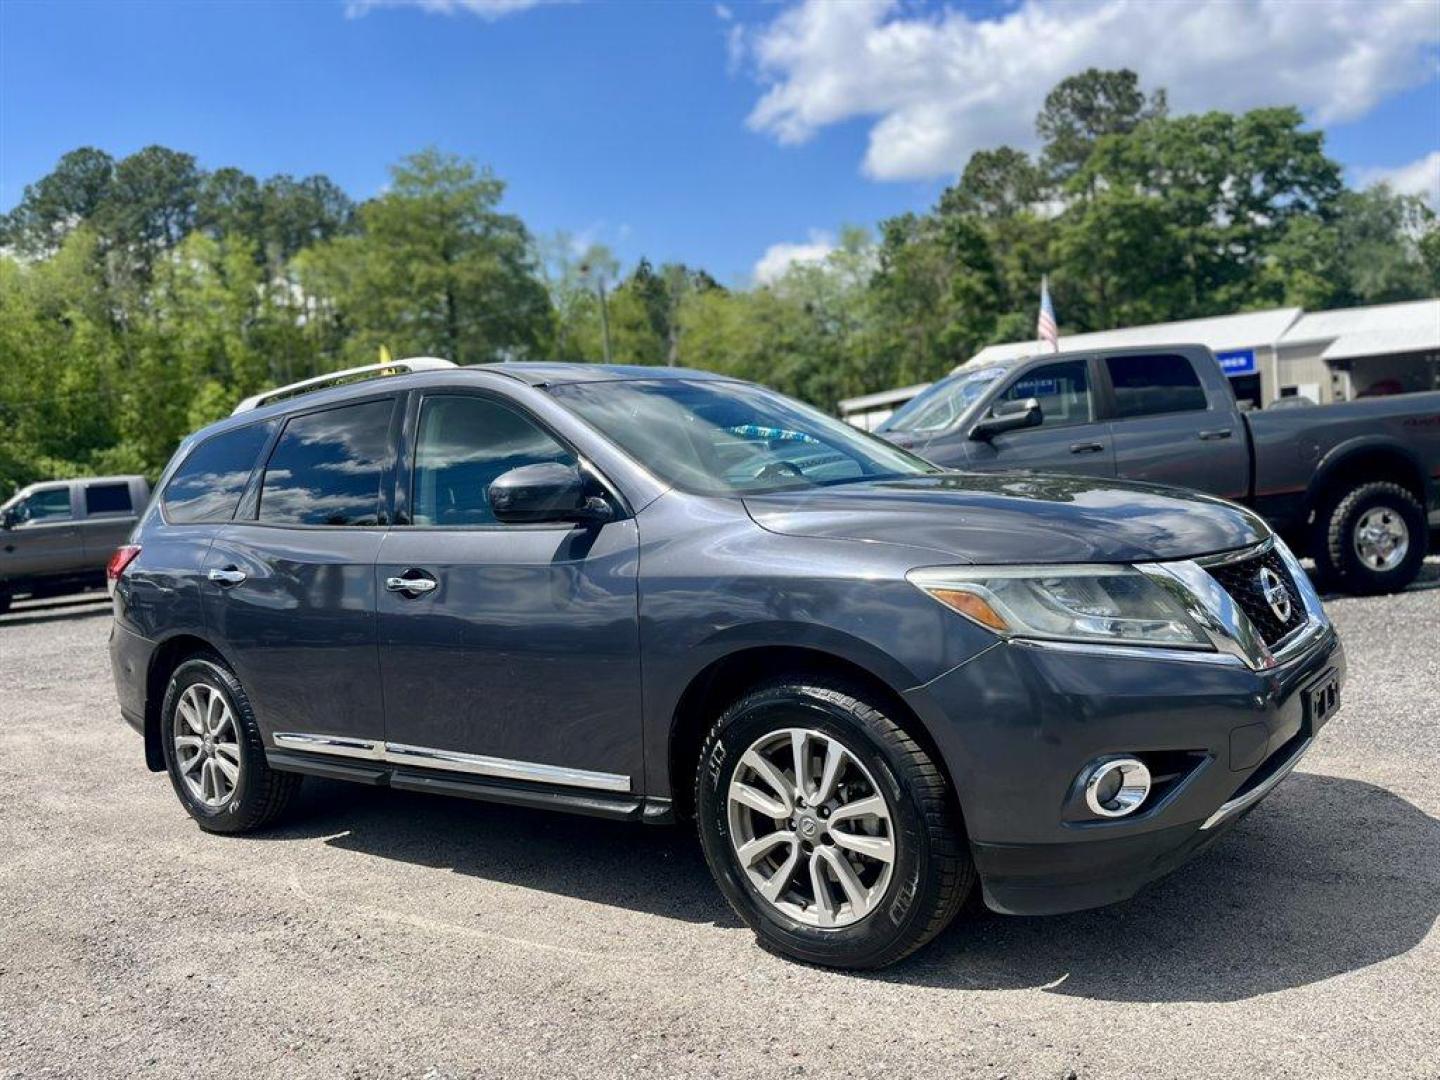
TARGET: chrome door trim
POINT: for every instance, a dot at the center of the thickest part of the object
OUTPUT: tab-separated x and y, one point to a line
453	761
338	745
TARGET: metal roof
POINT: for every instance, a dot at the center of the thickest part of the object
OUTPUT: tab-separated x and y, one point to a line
1371	331
1221	332
880	400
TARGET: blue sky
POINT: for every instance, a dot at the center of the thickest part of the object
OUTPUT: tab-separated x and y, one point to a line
709	133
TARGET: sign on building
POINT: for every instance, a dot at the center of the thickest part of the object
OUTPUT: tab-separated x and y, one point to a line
1237	361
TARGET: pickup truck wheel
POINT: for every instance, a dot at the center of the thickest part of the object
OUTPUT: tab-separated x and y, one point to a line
4	601
828	828
1375	538
214	754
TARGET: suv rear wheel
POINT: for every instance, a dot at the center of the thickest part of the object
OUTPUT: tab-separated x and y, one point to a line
1373	539
828	828
214	754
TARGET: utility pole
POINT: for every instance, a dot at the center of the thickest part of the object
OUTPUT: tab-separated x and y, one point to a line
585	269
604	316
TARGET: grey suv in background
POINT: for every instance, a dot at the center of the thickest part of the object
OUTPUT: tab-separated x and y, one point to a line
57	536
655	594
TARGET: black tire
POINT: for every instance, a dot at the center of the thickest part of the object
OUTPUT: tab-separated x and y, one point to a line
260	794
1336	555
5	599
932	870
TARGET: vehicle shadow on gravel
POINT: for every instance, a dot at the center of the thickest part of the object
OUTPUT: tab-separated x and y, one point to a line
657	870
1327	876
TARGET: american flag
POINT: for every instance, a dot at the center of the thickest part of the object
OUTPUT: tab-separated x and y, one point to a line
1045	329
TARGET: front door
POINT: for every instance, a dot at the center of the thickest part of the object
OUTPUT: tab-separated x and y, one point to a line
1068	438
44	541
290	584
508	651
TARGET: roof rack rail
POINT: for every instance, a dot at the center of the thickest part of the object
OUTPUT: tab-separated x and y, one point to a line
336	378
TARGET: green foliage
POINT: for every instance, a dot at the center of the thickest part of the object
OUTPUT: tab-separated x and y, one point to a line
140	298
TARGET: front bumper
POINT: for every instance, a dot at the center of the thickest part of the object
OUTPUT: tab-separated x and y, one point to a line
1017	726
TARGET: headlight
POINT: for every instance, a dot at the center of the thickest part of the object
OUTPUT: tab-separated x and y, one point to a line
1111	604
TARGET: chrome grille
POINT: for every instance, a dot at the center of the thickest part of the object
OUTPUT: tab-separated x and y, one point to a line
1241	579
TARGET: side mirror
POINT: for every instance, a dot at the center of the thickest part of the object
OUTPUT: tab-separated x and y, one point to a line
544	492
1009	416
10	518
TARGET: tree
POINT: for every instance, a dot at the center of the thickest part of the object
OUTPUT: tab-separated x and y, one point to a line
67	196
996	183
434	269
151	204
1084	108
297	214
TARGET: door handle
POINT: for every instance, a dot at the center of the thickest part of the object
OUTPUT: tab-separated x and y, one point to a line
1086	447
418	585
226	577
1217	433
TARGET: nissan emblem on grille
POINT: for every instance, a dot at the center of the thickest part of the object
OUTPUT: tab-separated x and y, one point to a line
1275	593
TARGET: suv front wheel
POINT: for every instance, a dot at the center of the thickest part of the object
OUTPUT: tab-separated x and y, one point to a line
214	754
828	828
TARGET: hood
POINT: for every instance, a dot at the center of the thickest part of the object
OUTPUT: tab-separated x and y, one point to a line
992	518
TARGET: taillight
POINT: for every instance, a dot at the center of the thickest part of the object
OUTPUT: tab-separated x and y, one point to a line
123	557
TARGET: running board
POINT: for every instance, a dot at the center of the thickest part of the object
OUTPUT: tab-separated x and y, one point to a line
380	773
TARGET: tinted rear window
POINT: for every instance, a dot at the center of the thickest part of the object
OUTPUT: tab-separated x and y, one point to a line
107	499
327	467
1151	385
209	483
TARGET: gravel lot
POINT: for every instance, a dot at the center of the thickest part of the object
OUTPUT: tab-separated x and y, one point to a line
385	934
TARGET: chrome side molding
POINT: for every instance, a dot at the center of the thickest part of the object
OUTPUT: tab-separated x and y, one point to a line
426	757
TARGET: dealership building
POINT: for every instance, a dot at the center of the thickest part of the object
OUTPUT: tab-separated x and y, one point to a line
1324	356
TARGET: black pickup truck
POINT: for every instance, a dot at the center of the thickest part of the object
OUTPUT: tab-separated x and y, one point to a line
1351	485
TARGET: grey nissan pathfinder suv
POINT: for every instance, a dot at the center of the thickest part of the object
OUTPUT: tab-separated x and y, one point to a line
662	594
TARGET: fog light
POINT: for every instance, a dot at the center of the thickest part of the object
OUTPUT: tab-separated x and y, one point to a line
1117	787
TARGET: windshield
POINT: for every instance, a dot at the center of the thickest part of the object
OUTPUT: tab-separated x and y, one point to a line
941	404
730	438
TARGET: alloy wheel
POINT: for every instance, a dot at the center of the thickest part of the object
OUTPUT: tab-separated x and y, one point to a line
810	828
207	745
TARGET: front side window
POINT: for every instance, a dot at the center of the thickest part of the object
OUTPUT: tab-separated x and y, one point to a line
328	466
464	443
107	499
717	437
1063	391
1154	385
209	482
52	504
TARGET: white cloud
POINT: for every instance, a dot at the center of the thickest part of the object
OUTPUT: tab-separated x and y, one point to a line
941	85
778	258
1419	177
488	10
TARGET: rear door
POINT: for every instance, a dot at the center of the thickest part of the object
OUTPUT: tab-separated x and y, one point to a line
1070	437
520	657
290	583
1168	430
109	516
45	541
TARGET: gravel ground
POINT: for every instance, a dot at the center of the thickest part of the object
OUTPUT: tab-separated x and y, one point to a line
386	934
